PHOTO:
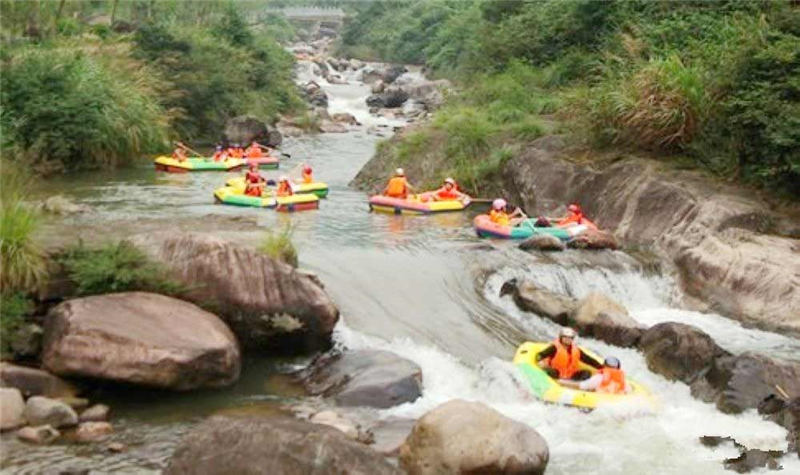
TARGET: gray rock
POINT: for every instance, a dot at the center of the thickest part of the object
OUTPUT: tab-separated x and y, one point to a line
744	381
470	437
598	316
38	435
346	118
329	127
244	129
378	86
272	445
12	409
679	351
26	341
93	431
364	378
35	382
390	434
40	410
96	413
393	72
542	242
141	338
544	303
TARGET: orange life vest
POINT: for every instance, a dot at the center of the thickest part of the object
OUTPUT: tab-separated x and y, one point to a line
219	156
284	189
444	194
252	179
179	154
565	361
577	218
613	381
254	151
499	217
397	187
307	178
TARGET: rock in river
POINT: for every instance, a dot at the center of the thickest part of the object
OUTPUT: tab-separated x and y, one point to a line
40	410
469	437
268	304
35	382
12	409
272	445
140	338
364	378
679	351
598	316
540	301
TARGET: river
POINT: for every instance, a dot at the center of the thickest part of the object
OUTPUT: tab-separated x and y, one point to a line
423	287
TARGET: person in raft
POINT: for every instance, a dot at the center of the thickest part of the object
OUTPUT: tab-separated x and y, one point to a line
220	155
448	191
284	187
574	217
308	176
561	359
255	150
609	379
254	182
500	216
398	186
179	153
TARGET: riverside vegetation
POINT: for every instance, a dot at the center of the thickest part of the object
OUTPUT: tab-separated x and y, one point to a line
712	86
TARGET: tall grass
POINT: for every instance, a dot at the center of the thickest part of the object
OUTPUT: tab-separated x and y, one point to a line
23	263
277	244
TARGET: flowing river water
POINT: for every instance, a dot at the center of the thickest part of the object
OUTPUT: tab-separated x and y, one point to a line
423	287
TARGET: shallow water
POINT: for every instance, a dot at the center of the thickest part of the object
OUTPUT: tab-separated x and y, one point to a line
418	286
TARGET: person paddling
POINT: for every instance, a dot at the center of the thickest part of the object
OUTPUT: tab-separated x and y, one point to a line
398	186
575	217
284	187
610	379
254	150
254	182
561	359
448	191
219	154
501	217
179	153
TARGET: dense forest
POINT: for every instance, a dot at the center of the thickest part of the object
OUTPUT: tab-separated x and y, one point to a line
90	84
710	85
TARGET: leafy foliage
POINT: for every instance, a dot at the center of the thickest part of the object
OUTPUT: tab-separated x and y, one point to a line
23	263
278	245
14	306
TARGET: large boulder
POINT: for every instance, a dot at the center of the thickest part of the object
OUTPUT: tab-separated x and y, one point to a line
93	431
391	73
598	316
268	304
40	410
544	303
391	98
12	409
244	129
679	351
140	338
271	445
542	242
750	378
469	437
314	94
785	413
430	93
594	239
364	378
35	382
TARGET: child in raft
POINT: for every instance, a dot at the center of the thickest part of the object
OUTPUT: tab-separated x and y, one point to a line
501	217
284	187
254	182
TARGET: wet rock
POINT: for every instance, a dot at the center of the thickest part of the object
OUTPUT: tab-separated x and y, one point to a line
393	72
332	127
12	409
40	410
35	382
96	413
269	445
314	94
117	447
598	316
746	380
752	459
346	426
429	93
371	75
268	304
378	87
93	431
42	435
679	351
542	242
390	434
244	129
469	437
76	403
786	414
594	239
62	205
364	378
26	341
389	99
544	303
140	338
346	118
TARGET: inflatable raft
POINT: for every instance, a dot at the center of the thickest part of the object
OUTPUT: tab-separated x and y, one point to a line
266	161
485	227
318	188
169	164
414	205
547	389
231	196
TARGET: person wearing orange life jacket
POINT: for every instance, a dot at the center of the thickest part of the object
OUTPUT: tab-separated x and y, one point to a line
220	155
610	379
254	182
574	217
561	359
179	153
308	177
448	191
501	217
284	187
254	150
398	186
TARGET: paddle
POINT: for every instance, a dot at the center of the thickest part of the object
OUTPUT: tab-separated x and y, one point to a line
181	144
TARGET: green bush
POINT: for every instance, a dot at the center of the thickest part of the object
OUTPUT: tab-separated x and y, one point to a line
278	245
116	267
13	309
23	262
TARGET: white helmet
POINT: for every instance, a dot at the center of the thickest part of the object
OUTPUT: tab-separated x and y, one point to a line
284	178
567	332
499	203
400	172
450	180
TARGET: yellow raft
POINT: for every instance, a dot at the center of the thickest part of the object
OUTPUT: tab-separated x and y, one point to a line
300	202
194	164
547	389
318	188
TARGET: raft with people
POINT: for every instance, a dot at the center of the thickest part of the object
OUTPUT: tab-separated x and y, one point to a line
196	164
548	389
316	187
499	223
397	198
296	202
